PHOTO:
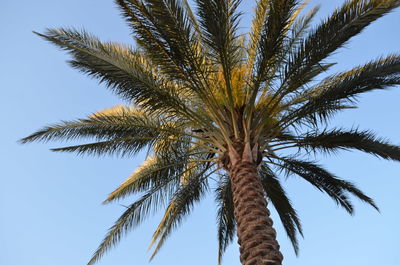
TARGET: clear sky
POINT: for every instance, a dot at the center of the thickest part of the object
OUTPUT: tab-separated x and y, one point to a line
50	203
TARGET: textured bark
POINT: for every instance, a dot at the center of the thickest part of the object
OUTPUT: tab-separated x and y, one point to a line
257	237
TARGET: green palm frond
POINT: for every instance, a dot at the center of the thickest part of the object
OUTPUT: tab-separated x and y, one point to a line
336	188
121	122
365	141
157	169
121	147
345	23
272	38
341	89
127	122
225	215
268	42
136	213
124	131
164	30
192	190
276	194
122	69
153	172
144	25
192	17
219	22
299	29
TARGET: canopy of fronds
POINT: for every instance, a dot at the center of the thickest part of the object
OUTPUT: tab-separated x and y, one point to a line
195	88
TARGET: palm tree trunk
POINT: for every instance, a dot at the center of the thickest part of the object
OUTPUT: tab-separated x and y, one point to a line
257	237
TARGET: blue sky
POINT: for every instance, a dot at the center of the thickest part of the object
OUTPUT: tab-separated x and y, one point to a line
50	203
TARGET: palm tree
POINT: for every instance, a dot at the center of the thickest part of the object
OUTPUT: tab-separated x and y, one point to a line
205	101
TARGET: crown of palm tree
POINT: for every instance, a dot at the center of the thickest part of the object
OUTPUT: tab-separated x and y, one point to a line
199	94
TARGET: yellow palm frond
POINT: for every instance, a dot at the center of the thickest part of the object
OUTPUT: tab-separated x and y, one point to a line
261	13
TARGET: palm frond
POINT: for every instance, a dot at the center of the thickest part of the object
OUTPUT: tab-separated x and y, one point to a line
193	18
345	23
219	22
225	215
125	71
128	122
276	194
322	100
157	169
336	188
260	15
190	192
123	133
165	30
272	38
153	172
365	141
121	147
136	213
298	30
269	38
